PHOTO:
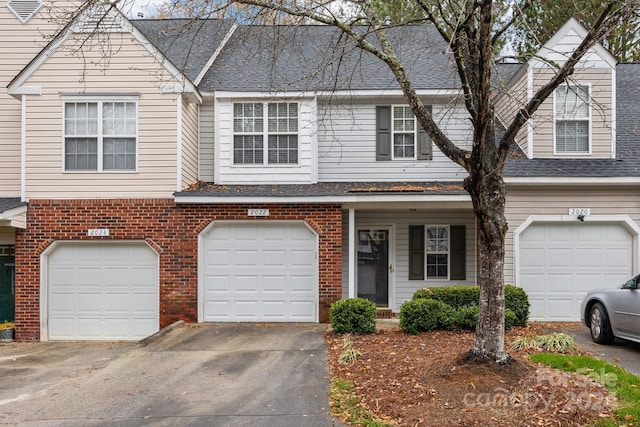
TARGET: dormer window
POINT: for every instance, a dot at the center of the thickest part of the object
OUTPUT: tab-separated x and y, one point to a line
24	9
572	116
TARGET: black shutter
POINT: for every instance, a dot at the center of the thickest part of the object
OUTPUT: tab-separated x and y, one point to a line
458	253
425	151
383	133
416	252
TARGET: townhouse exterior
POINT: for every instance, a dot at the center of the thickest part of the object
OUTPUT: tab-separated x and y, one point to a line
158	170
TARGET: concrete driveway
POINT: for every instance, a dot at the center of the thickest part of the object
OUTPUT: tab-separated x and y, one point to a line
194	375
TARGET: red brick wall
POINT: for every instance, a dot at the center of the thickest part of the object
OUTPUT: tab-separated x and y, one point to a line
172	230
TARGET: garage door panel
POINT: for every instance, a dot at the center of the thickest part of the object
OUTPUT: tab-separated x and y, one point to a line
270	263
577	257
97	291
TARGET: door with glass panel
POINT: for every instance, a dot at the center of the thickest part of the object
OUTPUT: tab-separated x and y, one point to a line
373	265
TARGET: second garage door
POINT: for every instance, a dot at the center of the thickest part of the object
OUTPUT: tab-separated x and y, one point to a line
559	263
102	291
259	272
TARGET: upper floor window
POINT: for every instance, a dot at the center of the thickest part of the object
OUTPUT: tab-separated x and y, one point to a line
272	125
572	119
100	135
404	133
399	136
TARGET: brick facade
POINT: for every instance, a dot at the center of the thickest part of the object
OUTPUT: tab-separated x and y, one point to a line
172	230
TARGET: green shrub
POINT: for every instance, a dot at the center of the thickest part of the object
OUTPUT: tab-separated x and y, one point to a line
467	318
516	299
353	315
459	297
455	296
420	315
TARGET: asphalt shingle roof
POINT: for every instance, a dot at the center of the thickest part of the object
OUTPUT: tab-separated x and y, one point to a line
322	189
187	43
7	203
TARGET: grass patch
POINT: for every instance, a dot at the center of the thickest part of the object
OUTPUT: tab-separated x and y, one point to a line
624	385
347	406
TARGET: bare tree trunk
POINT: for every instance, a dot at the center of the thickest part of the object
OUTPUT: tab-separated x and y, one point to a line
487	191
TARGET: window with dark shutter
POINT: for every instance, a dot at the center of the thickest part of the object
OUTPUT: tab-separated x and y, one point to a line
416	252
457	252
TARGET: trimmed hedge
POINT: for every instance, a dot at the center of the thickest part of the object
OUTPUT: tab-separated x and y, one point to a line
353	315
421	315
467	318
465	296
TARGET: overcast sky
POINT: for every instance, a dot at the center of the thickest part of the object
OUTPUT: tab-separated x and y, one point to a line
147	7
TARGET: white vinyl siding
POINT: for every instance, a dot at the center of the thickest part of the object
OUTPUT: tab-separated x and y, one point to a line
401	220
347	145
572	118
157	125
255	167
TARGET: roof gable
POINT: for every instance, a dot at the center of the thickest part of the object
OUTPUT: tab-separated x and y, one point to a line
104	18
560	47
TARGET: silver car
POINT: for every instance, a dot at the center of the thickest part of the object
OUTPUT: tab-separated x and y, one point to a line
611	313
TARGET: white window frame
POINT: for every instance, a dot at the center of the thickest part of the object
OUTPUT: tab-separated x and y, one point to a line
558	116
394	133
265	133
100	101
427	252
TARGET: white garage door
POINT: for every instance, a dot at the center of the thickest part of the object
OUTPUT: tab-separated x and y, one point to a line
264	272
102	291
559	263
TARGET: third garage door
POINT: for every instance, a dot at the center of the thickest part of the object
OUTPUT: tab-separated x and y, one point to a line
259	272
559	263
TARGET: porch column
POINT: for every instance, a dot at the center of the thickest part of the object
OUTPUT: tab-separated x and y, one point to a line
352	253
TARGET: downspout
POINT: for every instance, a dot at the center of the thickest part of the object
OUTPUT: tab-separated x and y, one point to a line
179	143
352	253
23	150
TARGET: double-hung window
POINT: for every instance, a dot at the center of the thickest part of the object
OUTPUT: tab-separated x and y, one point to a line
437	252
272	125
404	133
100	135
572	114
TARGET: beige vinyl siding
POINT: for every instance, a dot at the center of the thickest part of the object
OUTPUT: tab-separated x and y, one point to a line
521	203
157	127
400	220
206	147
189	144
19	43
510	102
7	236
600	128
347	144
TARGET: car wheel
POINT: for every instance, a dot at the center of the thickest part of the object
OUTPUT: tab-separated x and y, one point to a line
599	325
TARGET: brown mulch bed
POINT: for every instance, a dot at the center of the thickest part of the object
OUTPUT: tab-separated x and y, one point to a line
424	380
